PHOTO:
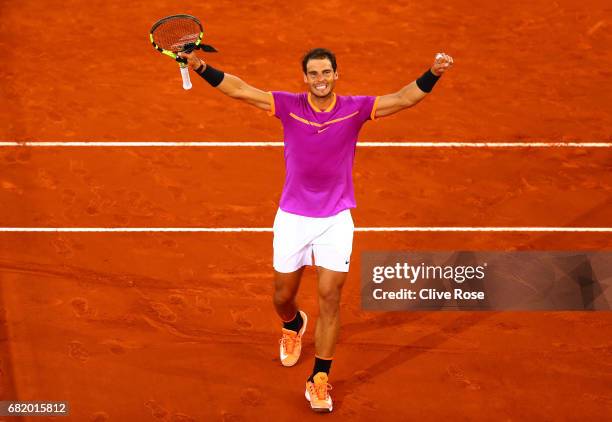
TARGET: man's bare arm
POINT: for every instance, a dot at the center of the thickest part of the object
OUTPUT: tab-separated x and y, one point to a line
411	94
233	86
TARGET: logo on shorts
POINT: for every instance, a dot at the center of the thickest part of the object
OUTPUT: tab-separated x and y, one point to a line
347	261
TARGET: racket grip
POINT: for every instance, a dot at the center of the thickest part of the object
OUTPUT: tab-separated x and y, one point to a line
185	76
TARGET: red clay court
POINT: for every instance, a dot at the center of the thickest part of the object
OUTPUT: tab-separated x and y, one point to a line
180	326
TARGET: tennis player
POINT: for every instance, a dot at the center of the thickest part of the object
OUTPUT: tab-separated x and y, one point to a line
313	223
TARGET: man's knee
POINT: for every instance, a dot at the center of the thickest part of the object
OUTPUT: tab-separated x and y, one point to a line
286	287
283	295
329	295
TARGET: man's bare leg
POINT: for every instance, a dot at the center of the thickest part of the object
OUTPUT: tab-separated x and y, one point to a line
286	286
326	336
328	323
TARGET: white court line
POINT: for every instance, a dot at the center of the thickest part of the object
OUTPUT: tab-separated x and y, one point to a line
280	144
269	229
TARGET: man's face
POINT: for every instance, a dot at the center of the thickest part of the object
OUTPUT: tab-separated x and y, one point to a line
320	77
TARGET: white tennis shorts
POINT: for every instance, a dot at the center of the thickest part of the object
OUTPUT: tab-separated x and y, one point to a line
297	238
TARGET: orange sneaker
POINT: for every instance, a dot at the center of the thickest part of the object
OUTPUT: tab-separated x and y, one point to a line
291	343
317	393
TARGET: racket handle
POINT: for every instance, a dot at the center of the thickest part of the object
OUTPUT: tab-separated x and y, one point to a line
185	76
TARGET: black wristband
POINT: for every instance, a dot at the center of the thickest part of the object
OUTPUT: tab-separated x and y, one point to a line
210	74
427	81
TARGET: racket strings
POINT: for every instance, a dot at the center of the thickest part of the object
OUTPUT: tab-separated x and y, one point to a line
174	34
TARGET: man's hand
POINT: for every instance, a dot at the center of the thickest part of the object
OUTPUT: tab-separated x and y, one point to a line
441	64
193	61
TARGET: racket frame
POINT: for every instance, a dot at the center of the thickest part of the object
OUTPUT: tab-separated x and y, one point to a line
170	53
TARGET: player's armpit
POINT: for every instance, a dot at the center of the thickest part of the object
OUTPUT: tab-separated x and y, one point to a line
236	88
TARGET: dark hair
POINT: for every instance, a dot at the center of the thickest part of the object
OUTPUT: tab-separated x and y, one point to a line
319	53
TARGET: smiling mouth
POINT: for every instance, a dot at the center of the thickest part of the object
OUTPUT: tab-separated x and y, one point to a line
320	88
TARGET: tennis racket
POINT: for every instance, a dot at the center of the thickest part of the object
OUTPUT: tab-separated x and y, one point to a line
179	33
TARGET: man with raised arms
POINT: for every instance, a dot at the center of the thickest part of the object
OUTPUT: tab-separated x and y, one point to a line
313	218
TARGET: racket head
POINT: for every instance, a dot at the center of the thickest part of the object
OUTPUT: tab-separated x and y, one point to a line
177	33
